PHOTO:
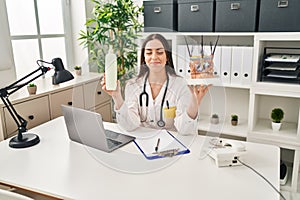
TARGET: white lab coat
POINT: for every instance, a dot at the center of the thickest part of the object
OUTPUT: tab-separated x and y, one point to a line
131	115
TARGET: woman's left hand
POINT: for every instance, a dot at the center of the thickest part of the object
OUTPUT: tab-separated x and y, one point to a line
199	92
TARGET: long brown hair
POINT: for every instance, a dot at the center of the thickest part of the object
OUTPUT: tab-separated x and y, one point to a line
169	65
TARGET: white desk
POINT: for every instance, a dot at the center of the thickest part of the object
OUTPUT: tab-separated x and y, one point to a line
59	167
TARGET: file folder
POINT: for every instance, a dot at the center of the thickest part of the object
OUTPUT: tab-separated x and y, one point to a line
226	64
237	64
247	65
217	61
187	63
181	57
168	146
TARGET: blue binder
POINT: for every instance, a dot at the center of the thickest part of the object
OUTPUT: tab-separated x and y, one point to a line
160	145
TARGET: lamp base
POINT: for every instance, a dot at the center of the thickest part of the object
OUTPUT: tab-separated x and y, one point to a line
29	140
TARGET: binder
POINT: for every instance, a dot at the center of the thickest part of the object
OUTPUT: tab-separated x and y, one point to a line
168	145
187	63
226	64
236	66
247	65
181	56
217	61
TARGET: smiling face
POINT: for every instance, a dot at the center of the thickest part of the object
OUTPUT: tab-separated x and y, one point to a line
155	56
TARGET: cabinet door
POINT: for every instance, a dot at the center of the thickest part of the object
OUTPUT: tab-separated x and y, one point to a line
35	111
71	97
94	95
105	111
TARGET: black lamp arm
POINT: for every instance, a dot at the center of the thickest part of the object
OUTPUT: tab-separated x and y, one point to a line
15	85
5	92
20	121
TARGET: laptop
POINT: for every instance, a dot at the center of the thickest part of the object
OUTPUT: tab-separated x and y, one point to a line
86	127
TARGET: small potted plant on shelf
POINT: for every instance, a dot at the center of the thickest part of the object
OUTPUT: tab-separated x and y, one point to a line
214	119
234	120
277	115
77	70
31	88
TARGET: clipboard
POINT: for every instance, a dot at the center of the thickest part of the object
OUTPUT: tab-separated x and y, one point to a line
169	145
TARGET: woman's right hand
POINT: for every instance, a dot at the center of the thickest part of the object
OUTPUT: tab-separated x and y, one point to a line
112	93
115	94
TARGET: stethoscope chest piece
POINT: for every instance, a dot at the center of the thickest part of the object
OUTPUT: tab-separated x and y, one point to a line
161	123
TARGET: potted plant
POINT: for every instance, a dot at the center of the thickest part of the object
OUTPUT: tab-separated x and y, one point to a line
31	88
115	24
77	70
277	115
214	119
234	120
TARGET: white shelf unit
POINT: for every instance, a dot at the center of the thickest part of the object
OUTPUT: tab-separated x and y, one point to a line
224	98
253	102
264	96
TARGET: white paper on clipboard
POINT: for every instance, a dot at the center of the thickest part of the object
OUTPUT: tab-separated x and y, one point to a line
168	146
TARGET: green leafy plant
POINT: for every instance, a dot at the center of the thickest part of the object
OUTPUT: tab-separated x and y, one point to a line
114	24
277	115
77	67
234	117
31	85
215	116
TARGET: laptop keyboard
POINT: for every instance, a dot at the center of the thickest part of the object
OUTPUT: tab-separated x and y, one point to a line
112	143
111	134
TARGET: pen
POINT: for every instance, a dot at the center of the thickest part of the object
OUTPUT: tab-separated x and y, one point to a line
215	45
157	144
168	104
202	50
187	46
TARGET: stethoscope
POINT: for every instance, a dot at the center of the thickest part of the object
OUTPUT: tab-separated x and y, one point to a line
160	122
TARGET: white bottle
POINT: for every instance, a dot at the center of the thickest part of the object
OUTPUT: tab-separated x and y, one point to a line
111	70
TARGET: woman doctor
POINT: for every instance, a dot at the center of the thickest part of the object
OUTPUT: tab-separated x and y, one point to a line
155	90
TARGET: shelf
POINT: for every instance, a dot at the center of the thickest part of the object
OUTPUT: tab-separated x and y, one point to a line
224	127
261	36
202	33
45	86
214	81
278	89
277	36
287	133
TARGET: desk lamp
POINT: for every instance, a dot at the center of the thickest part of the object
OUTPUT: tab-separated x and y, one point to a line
29	139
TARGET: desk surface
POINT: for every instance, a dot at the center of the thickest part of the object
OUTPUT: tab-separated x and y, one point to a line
59	167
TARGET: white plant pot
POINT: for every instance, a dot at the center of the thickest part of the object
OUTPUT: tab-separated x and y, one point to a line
214	120
78	72
276	126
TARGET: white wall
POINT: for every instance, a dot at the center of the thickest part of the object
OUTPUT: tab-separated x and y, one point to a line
78	19
7	66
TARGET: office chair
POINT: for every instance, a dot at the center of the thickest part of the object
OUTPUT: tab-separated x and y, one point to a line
7	195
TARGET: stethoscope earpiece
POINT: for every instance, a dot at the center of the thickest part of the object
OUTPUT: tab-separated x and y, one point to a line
141	98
